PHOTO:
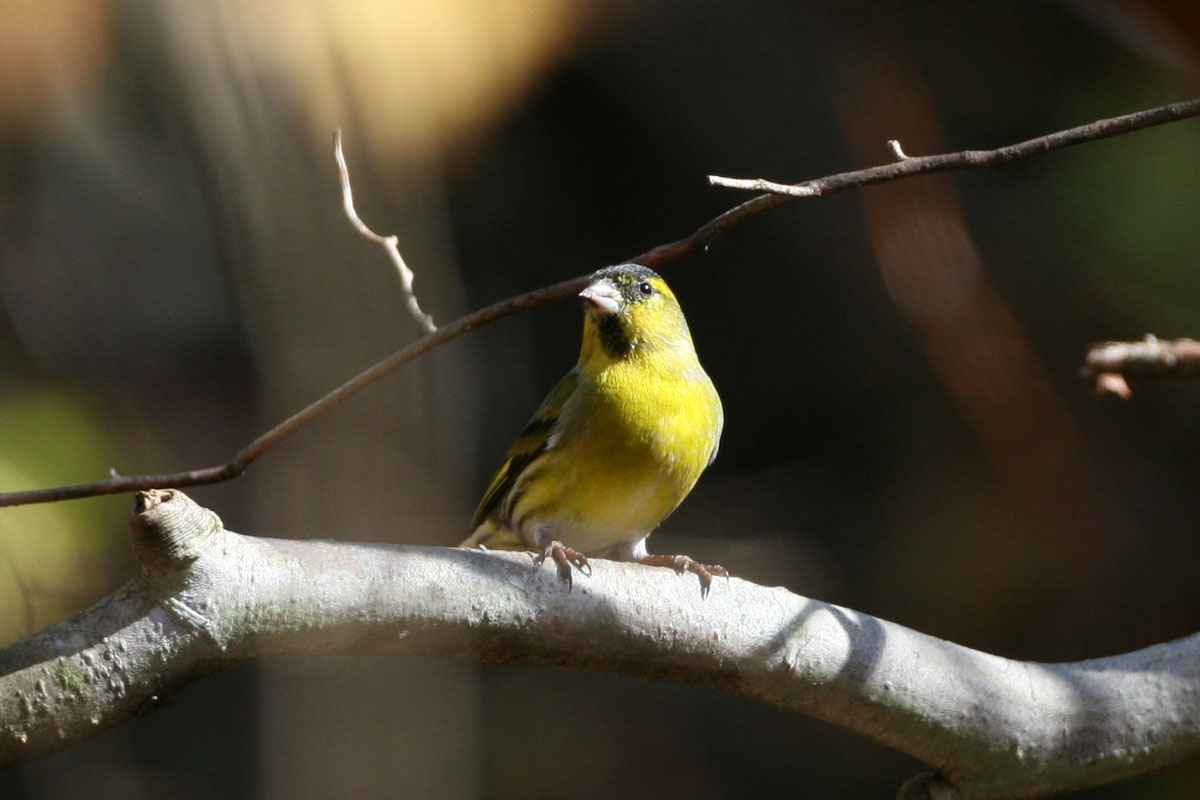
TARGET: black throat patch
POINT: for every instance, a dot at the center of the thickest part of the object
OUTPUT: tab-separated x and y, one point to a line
612	335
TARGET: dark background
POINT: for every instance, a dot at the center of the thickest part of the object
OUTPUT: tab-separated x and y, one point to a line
906	432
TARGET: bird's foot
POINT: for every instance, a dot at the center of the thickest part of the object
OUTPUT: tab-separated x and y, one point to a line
682	564
565	558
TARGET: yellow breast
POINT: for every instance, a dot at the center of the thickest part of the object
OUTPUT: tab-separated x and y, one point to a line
633	441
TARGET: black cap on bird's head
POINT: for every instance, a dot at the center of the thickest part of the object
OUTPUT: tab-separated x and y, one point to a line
612	288
630	308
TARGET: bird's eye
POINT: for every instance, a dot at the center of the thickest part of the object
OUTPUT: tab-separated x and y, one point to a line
646	289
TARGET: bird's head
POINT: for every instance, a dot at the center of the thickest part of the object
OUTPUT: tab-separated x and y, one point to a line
630	309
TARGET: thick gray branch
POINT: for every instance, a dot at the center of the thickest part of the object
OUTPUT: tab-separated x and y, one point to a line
210	598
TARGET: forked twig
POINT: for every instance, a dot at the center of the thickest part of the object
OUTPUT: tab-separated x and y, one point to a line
906	165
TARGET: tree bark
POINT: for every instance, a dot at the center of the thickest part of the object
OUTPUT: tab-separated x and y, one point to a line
208	598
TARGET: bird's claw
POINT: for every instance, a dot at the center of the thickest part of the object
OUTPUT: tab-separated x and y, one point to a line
682	564
564	558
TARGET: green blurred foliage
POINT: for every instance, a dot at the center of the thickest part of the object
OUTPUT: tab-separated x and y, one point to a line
1133	205
56	558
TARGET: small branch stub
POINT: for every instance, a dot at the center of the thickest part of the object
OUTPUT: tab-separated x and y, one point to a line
1110	364
897	150
170	531
762	185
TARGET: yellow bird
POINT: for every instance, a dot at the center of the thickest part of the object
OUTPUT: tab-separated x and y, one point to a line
617	444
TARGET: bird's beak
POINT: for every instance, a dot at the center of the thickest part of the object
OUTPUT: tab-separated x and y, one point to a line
603	295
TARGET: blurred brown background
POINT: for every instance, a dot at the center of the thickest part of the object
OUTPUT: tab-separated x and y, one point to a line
906	433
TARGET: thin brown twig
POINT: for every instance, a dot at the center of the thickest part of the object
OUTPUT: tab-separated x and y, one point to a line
390	244
699	240
1110	363
777	194
247	455
709	231
967	159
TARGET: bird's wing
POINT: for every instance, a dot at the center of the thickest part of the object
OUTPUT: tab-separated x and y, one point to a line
532	442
